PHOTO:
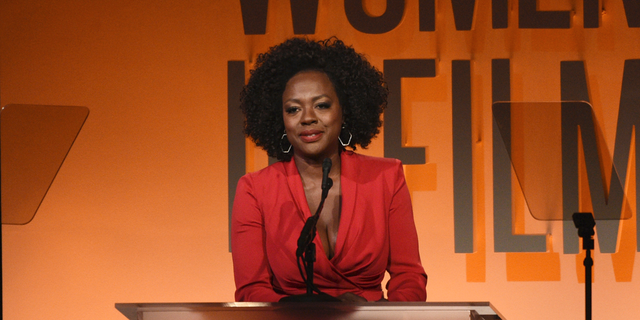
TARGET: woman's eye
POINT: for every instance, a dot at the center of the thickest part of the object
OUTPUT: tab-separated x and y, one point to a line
324	105
290	110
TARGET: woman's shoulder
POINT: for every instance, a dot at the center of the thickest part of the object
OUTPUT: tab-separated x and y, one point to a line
373	173
269	173
367	161
364	168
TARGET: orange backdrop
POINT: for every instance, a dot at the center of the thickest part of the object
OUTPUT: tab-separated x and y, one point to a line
139	209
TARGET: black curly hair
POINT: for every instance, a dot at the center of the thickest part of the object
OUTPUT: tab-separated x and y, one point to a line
360	88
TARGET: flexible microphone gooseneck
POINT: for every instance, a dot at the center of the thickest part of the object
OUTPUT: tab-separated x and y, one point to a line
309	229
306	248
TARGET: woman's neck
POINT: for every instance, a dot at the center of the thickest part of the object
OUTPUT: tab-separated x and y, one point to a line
311	169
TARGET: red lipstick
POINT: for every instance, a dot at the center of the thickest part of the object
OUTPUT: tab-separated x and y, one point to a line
310	135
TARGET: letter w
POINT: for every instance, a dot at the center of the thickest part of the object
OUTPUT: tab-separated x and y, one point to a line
303	14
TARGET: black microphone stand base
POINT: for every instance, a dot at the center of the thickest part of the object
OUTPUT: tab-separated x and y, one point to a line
323	297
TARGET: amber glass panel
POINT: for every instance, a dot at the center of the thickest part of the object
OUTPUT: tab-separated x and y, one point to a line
35	140
557	148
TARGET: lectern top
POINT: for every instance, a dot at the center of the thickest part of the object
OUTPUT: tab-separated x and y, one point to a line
322	310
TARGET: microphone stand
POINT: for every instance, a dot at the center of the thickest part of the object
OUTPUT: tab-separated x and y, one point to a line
585	224
307	249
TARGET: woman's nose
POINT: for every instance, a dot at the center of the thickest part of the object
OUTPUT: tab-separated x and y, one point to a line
309	116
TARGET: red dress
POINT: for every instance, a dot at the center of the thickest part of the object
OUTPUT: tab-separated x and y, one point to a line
376	233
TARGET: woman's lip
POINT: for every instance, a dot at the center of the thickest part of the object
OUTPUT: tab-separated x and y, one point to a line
310	135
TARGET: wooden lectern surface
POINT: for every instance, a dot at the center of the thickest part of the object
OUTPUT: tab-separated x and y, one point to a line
308	310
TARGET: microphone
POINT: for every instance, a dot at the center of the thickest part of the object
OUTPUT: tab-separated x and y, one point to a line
327	183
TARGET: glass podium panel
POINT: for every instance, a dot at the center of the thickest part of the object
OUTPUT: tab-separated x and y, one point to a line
35	140
557	152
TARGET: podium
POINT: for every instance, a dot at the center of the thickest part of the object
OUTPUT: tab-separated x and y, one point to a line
315	310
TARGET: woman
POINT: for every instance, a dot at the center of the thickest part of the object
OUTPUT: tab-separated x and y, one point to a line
306	101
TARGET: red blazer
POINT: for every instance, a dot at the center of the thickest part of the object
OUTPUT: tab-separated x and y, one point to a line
376	233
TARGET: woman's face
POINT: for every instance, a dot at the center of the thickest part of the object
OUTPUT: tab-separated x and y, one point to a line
312	115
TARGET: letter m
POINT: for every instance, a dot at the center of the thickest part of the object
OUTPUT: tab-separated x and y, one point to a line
579	123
